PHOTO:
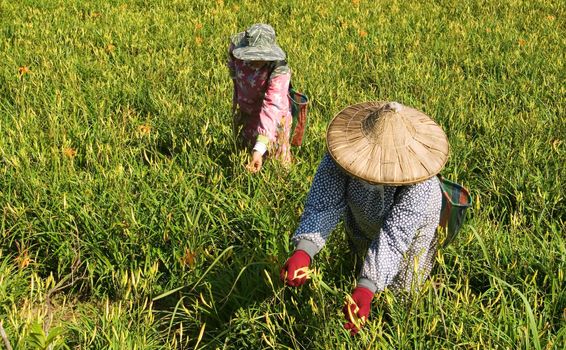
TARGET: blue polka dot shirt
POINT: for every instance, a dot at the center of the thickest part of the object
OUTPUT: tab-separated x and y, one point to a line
394	228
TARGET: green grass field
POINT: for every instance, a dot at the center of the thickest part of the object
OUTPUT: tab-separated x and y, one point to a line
128	220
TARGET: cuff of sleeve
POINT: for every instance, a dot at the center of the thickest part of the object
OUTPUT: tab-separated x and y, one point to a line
263	139
309	247
260	147
367	283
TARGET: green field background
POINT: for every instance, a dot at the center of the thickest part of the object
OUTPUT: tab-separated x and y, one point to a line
128	220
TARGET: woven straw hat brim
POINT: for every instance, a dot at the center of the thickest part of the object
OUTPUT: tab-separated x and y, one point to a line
259	53
387	148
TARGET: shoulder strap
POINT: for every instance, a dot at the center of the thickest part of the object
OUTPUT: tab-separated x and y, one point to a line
274	66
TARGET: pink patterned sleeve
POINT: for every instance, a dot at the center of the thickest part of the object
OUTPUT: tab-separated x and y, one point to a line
275	106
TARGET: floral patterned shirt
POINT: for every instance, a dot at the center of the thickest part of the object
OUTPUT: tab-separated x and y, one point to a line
391	225
262	95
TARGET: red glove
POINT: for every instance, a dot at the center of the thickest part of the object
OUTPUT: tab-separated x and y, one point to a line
294	272
357	309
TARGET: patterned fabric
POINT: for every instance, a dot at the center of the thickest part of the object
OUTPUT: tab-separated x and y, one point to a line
257	43
260	96
392	228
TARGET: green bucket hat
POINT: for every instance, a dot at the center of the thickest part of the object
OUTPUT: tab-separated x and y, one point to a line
257	43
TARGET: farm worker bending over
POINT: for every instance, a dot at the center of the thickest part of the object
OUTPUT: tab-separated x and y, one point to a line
379	176
260	105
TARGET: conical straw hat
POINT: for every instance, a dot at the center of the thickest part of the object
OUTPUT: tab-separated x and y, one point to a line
387	143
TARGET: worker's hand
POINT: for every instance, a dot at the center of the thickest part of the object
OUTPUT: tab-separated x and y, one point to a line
357	308
255	163
295	270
